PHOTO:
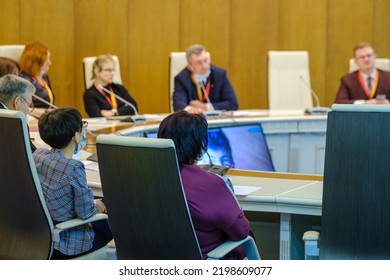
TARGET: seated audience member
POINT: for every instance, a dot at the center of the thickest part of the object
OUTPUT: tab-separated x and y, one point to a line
16	94
99	103
216	214
64	183
8	66
34	63
367	85
216	88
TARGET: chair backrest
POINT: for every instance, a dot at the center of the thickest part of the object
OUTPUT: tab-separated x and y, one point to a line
356	193
177	62
289	80
87	69
380	63
148	211
25	227
11	51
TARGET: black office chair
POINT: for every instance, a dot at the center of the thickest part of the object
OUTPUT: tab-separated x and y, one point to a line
26	228
356	192
148	211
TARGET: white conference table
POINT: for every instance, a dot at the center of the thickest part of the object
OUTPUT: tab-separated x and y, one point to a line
282	193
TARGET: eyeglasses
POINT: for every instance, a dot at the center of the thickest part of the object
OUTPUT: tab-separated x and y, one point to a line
365	56
30	105
85	124
108	70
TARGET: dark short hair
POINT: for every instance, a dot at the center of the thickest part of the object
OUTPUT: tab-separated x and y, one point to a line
58	127
188	132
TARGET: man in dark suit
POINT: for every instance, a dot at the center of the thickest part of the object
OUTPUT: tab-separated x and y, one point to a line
368	85
202	86
16	94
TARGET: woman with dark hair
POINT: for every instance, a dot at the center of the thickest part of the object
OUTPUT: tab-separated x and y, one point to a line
8	66
64	183
215	212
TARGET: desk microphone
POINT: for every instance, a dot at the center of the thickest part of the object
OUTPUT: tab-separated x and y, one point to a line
212	112
318	110
136	117
44	101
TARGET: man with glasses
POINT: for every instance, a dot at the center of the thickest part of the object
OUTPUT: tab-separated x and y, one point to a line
16	94
368	85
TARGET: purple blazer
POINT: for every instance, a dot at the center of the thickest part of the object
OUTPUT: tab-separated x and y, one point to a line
222	94
351	90
215	213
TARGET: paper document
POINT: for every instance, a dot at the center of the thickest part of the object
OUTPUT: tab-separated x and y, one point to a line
244	190
90	165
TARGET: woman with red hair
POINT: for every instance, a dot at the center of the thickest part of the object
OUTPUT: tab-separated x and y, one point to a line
34	63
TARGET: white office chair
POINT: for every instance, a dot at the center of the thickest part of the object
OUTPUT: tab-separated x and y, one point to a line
380	63
11	51
177	62
289	80
87	68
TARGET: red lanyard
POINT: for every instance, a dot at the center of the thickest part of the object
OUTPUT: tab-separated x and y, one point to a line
105	95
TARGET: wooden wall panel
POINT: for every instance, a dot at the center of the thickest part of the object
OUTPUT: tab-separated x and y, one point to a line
381	28
238	33
302	26
253	25
153	34
9	27
349	22
52	23
100	27
207	23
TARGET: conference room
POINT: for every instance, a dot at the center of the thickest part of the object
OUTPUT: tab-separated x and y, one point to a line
285	199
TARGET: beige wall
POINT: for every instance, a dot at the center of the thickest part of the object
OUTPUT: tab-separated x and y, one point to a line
238	33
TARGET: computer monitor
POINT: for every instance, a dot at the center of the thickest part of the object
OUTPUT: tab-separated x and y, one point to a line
237	146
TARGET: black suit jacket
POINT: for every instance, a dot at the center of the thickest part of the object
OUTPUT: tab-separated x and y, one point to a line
222	94
33	148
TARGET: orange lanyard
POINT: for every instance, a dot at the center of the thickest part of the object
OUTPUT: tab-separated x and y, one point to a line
44	85
202	96
111	100
374	86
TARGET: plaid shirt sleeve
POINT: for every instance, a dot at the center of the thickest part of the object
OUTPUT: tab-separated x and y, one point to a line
84	205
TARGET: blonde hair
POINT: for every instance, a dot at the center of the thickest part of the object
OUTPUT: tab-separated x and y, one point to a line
98	63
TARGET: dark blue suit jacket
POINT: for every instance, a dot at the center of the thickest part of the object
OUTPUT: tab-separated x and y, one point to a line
222	94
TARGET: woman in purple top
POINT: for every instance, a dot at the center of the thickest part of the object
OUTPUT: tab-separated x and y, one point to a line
216	214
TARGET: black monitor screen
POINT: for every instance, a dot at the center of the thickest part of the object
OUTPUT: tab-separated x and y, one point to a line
238	146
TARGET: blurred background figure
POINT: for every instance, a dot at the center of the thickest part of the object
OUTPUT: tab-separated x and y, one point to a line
99	103
34	64
8	66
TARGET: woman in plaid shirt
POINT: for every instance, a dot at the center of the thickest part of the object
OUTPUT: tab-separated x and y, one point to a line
64	183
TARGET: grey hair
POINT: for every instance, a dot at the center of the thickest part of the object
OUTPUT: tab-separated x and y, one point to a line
194	49
12	86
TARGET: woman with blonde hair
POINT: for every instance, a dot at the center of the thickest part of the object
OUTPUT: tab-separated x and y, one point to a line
100	103
34	64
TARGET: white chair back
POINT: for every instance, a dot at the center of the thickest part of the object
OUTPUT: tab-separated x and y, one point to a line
87	67
11	51
289	80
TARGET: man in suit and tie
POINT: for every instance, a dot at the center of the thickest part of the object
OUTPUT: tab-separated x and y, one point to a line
16	94
202	86
367	85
